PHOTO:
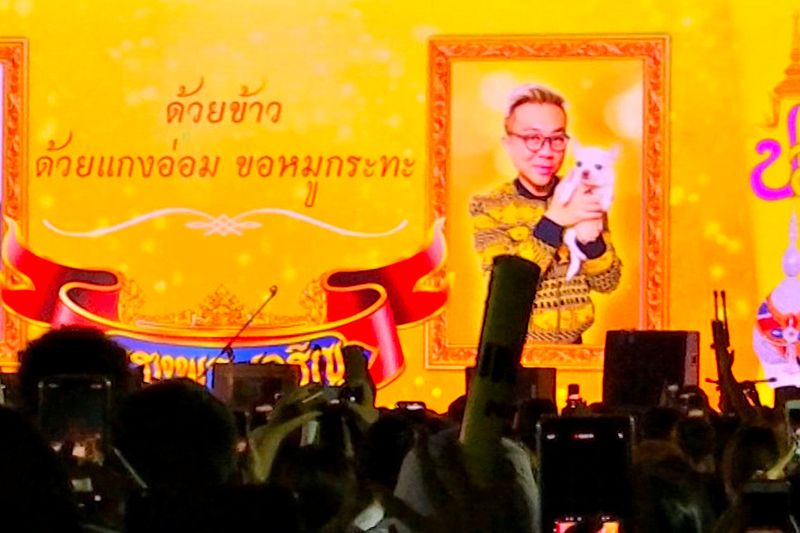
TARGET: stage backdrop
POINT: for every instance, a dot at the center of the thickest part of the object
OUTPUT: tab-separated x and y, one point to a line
167	163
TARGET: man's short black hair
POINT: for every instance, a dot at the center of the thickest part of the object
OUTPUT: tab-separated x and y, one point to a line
71	350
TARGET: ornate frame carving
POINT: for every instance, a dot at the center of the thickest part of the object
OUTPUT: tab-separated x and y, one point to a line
653	51
14	61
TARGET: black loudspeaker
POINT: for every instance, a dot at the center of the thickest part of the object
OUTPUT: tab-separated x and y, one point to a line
538	382
638	364
784	394
245	387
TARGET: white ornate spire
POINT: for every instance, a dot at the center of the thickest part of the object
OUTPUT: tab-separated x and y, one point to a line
786	296
791	257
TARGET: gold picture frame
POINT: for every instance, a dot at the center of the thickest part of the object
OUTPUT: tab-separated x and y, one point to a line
14	65
651	52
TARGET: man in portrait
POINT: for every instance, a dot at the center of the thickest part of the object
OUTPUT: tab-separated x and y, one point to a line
526	217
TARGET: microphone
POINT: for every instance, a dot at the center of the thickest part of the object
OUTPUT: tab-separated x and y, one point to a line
227	350
490	402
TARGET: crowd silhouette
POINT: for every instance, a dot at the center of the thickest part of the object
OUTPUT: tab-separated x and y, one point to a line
173	457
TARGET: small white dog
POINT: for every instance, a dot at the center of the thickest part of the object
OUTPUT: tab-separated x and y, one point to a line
594	167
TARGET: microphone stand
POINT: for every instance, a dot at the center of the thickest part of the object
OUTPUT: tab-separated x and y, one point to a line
227	350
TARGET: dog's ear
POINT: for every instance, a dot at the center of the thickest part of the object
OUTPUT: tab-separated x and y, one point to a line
576	146
614	151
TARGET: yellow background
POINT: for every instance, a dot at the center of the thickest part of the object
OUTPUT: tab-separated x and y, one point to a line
352	77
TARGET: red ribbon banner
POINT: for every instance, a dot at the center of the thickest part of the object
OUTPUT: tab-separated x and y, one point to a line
364	306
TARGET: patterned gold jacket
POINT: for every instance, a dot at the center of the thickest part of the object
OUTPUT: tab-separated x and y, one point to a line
510	220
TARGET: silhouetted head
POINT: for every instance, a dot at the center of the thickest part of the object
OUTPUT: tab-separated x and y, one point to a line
750	449
70	351
659	423
177	434
387	442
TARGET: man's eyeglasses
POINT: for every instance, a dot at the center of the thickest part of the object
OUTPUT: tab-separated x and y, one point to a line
535	142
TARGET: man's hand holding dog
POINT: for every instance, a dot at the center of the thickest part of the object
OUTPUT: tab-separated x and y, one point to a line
588	230
583	206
